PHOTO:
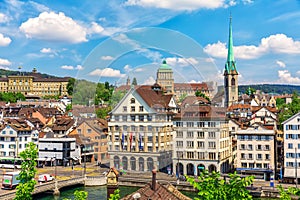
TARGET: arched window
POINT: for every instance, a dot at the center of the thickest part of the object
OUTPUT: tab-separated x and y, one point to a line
133	163
132	100
232	81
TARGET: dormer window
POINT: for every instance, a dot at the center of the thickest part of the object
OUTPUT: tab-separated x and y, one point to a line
132	100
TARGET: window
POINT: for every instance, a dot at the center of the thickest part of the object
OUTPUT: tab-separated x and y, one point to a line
250	157
132	117
141	118
3	132
179	143
179	124
190	134
179	134
190	154
117	118
132	100
244	165
267	156
259	156
242	147
190	124
211	135
190	144
290	145
200	145
141	108
200	134
251	165
124	108
200	124
79	131
89	130
267	147
259	165
250	147
212	156
201	155
132	108
11	132
149	118
211	145
258	147
124	118
211	124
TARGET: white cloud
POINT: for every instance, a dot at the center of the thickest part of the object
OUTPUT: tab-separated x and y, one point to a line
280	63
3	18
107	58
181	62
4	62
79	67
127	68
4	41
149	81
46	50
5	68
286	77
248	1
70	67
178	5
278	43
107	72
54	27
139	70
95	28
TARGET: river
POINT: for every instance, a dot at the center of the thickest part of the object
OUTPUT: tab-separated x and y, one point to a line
94	193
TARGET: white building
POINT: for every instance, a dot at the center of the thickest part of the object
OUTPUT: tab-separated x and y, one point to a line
291	149
140	130
256	151
202	139
61	151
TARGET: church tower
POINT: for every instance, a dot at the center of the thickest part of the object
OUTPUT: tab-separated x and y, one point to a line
164	78
230	74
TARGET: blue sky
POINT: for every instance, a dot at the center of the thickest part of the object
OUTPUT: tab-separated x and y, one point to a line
110	40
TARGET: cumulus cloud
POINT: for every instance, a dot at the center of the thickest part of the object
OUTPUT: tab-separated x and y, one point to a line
278	43
54	27
280	63
46	50
107	72
70	67
95	28
178	5
4	41
107	58
181	62
286	77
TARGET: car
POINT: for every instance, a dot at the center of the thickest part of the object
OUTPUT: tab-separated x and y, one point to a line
45	178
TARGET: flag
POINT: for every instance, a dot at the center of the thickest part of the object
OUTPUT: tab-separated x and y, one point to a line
123	140
140	141
130	139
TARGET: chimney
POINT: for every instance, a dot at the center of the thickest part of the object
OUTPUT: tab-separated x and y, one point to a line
153	187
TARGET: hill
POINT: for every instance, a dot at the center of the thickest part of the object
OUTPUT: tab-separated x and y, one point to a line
272	88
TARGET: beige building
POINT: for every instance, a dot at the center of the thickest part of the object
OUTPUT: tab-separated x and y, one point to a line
34	84
141	131
256	151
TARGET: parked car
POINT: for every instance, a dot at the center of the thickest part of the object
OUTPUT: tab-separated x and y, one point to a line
45	178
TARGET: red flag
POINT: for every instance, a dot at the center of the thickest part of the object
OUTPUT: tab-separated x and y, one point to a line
130	139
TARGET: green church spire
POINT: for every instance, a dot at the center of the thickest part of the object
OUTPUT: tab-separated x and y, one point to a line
230	67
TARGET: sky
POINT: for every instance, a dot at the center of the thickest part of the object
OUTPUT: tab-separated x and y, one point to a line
111	40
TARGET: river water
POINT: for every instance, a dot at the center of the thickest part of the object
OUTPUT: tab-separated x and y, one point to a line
94	193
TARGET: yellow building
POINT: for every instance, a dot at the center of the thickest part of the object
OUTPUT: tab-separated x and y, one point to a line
34	84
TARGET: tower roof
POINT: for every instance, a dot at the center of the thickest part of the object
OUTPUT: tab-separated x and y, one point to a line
164	65
230	67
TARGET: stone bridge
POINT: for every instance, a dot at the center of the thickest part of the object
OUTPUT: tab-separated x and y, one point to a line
55	185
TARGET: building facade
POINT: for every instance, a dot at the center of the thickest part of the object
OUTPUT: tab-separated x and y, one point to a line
34	84
202	139
141	131
164	77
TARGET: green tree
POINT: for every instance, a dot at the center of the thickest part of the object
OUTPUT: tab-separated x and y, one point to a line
250	91
200	94
70	86
134	81
211	186
103	112
79	195
69	107
116	98
27	173
115	195
287	194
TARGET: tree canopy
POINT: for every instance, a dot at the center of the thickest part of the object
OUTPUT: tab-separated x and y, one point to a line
212	186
